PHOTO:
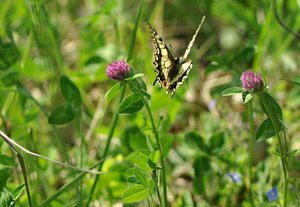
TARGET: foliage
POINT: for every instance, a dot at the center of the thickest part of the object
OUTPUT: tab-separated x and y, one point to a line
56	100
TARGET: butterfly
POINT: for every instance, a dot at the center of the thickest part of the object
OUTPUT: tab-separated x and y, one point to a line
171	71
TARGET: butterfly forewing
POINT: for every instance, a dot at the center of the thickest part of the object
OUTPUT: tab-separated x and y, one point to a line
187	51
163	58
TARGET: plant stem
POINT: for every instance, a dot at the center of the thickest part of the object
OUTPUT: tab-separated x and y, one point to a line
282	152
107	146
251	143
22	164
164	183
154	177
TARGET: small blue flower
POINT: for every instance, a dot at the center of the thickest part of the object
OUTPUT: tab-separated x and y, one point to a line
235	177
272	194
211	104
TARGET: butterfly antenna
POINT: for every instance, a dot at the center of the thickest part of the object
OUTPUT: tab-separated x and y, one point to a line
193	39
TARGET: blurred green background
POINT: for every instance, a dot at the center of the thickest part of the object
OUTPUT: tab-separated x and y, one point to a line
204	134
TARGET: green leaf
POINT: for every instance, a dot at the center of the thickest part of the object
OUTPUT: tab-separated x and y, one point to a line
10	78
232	91
149	144
139	84
195	141
141	176
273	111
113	91
138	75
292	153
6	160
145	93
141	160
216	142
201	166
293	82
199	184
70	91
6	199
131	104
154	156
18	191
246	55
61	115
133	139
4	175
247	96
132	179
265	130
135	193
9	54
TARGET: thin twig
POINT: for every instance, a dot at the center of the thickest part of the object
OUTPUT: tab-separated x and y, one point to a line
12	144
22	164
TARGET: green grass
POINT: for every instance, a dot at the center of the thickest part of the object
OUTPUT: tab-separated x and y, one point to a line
53	57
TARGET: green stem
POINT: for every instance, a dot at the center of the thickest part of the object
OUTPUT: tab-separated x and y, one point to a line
146	103
282	152
22	164
82	147
154	177
251	143
109	137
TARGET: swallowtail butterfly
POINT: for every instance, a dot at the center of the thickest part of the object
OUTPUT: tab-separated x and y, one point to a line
171	71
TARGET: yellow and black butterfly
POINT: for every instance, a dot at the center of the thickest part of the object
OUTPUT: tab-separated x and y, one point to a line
171	71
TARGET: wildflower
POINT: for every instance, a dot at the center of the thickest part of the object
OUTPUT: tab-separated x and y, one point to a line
118	70
235	177
272	194
211	104
251	81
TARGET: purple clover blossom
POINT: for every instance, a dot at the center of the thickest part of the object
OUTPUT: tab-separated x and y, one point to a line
272	194
251	81
235	177
118	70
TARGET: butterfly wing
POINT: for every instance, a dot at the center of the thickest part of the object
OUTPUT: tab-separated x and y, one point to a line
181	70
163	58
187	51
178	75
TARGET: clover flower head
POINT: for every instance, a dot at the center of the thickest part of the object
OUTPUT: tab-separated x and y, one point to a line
118	70
251	81
235	177
272	194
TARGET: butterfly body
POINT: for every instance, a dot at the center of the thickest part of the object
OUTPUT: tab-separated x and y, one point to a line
171	71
